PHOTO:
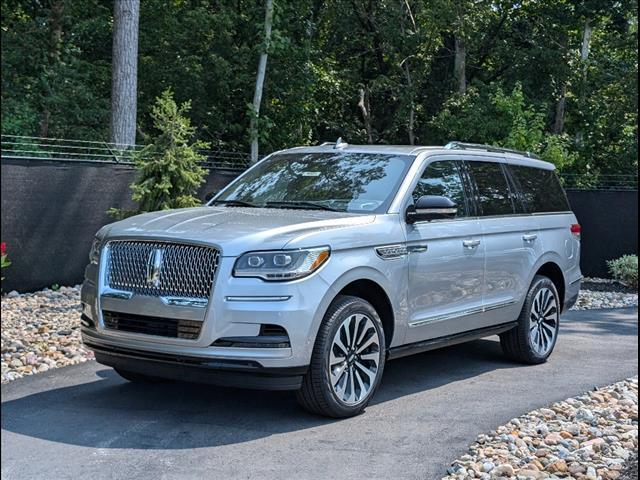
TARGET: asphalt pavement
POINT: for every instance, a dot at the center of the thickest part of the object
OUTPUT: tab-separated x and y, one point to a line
86	422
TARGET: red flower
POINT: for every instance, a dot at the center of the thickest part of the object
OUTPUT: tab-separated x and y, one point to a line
3	248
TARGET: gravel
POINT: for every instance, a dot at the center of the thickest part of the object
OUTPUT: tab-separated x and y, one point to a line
630	470
590	437
41	331
603	293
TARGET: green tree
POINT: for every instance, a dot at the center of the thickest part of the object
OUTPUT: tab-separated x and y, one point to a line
169	171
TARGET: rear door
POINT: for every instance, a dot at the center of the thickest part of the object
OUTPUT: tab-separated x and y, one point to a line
510	237
446	259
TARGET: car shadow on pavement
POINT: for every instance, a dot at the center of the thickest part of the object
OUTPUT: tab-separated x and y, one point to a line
113	413
602	322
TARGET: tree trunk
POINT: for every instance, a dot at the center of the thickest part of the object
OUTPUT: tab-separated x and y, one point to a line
366	113
584	58
558	124
586	40
262	70
55	42
460	66
412	106
126	14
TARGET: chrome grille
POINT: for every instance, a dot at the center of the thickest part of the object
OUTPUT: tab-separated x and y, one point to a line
185	270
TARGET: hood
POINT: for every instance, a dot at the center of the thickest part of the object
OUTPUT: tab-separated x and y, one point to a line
236	230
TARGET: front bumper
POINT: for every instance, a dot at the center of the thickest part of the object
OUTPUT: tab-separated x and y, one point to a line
229	373
237	308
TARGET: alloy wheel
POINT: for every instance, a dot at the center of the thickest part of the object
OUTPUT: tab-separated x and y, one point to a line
354	359
543	326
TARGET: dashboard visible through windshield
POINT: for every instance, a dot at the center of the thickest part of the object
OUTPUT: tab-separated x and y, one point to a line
337	181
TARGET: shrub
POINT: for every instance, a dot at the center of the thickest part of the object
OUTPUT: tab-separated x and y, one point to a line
169	171
625	270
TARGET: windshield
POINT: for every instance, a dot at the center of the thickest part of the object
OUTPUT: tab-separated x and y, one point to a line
340	181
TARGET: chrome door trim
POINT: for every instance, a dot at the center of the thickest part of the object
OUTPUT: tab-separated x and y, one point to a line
418	248
461	313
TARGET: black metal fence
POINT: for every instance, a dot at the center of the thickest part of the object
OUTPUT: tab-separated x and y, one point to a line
55	195
23	148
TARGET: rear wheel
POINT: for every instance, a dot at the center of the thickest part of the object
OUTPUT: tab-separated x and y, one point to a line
533	340
138	377
347	360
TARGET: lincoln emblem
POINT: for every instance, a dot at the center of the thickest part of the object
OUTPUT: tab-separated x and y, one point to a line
154	264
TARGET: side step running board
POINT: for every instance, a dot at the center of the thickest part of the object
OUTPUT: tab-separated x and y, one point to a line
435	343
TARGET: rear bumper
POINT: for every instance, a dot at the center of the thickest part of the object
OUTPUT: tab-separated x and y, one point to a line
229	373
571	294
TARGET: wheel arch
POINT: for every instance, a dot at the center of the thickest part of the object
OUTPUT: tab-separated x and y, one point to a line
370	285
550	268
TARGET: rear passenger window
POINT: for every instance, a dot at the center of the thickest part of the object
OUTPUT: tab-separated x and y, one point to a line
540	189
494	194
442	178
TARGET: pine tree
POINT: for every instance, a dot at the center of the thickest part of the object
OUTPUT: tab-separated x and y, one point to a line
169	171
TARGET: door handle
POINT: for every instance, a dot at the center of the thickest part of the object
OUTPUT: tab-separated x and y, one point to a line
471	243
529	237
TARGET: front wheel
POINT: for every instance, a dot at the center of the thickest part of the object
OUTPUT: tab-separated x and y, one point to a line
533	340
347	361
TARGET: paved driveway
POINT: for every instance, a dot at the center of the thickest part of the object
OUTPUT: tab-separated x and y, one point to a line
85	422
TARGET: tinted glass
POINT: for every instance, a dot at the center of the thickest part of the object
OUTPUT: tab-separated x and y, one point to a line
442	179
493	190
540	189
351	182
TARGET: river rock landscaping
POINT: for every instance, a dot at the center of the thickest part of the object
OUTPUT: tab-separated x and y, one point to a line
41	330
590	437
604	293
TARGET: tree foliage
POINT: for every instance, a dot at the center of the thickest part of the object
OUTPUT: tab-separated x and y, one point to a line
169	171
359	69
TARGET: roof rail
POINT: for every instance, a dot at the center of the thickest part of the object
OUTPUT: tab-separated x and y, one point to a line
487	148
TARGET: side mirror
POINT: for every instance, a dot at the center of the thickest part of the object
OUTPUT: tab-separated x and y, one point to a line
431	207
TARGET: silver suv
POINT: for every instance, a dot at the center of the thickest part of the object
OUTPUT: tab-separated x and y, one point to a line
319	264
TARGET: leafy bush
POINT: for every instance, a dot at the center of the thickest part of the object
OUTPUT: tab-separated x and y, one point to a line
625	270
169	171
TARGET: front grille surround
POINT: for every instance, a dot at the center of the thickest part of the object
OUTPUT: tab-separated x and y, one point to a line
186	271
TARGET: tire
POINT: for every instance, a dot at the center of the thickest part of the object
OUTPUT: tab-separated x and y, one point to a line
135	377
354	388
534	339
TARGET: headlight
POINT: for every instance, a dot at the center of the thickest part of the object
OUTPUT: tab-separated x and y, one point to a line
94	253
281	264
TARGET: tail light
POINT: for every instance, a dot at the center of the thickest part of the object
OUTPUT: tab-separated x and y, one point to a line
576	229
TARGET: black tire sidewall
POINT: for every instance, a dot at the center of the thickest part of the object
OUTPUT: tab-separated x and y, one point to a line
344	308
538	284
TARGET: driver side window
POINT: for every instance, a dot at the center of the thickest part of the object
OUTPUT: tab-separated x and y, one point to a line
442	178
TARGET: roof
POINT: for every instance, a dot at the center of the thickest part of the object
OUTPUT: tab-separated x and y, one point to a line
489	153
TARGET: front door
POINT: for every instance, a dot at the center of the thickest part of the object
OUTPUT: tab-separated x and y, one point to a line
446	260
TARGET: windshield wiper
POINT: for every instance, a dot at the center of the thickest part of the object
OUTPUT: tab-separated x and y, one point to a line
300	204
234	203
